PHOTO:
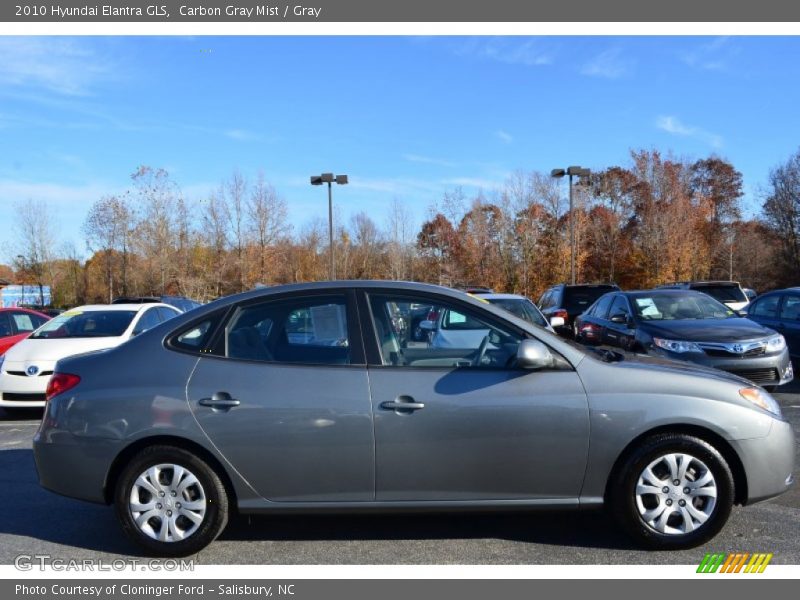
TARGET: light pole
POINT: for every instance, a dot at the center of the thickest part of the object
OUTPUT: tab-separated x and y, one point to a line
572	172
329	178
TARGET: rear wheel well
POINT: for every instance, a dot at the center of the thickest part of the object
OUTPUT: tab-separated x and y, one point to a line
707	435
165	440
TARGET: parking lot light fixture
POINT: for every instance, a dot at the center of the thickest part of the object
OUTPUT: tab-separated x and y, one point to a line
330	179
571	172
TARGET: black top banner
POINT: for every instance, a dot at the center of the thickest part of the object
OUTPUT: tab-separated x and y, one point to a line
454	11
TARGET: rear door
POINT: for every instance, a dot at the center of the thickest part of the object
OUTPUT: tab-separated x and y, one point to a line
285	398
464	424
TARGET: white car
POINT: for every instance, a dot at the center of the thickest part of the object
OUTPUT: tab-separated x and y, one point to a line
26	368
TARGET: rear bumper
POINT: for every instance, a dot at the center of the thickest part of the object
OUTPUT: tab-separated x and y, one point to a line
768	462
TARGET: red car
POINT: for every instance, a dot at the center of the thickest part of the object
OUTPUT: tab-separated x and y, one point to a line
16	324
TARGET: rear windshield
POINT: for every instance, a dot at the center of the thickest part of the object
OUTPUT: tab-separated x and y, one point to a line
522	308
577	300
723	293
93	323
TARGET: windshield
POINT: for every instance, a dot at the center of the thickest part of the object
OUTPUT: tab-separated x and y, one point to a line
679	306
522	308
79	324
723	293
577	300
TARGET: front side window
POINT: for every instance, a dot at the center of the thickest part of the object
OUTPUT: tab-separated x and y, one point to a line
306	331
522	308
25	322
619	307
790	310
452	336
147	321
601	306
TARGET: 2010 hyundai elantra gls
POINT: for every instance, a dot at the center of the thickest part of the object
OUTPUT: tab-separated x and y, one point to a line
308	397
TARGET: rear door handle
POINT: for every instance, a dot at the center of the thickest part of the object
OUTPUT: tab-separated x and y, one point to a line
221	400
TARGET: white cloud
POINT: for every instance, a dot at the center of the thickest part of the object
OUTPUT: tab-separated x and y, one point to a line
609	64
416	158
67	67
710	56
475	182
504	136
674	126
528	52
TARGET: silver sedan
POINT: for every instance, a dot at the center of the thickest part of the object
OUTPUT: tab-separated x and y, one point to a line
309	397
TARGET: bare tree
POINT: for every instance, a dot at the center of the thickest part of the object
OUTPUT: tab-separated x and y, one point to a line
266	221
35	241
107	229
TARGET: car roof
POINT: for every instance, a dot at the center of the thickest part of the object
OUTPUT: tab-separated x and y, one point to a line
118	307
494	296
663	292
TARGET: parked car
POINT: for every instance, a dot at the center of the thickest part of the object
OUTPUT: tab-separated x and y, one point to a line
566	302
218	410
49	311
27	367
780	310
182	303
730	293
690	326
750	293
519	306
16	324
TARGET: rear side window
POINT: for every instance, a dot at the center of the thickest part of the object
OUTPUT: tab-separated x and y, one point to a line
723	293
766	307
602	306
310	331
790	309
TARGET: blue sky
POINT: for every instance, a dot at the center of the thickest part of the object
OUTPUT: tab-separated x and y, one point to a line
405	117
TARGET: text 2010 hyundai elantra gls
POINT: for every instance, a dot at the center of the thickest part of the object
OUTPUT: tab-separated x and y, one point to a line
309	397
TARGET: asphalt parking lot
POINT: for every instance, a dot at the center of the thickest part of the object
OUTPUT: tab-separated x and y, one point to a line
34	521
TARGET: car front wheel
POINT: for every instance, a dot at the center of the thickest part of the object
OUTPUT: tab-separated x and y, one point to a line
170	502
673	491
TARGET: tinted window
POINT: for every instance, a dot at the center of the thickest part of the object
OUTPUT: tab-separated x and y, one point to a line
148	320
5	325
166	313
602	306
544	301
82	324
790	310
619	306
723	293
24	322
304	331
578	300
196	337
766	307
457	338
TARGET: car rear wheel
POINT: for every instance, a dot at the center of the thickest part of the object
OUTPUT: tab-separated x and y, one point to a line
170	502
673	491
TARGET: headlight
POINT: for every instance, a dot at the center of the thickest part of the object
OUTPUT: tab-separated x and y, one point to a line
776	343
761	399
676	346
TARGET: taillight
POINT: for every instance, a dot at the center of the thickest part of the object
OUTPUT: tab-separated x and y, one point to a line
561	313
60	383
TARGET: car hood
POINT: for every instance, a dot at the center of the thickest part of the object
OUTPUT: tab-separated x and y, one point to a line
707	330
31	350
666	365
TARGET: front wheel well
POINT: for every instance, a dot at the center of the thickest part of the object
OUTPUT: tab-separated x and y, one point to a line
703	433
165	440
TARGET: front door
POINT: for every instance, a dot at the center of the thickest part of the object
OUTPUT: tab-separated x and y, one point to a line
463	423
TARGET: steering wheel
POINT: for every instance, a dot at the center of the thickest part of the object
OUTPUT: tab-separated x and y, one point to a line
481	352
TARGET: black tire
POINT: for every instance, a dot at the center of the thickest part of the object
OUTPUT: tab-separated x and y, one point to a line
622	491
216	501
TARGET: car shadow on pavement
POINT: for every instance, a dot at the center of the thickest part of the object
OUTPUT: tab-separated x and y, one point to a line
585	529
33	513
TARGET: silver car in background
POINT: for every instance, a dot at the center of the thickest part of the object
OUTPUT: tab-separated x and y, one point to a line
226	408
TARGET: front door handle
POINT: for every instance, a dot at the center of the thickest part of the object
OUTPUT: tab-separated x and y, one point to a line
220	400
402	403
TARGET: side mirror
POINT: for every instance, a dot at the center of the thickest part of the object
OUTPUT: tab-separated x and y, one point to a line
533	354
557	322
427	325
619	318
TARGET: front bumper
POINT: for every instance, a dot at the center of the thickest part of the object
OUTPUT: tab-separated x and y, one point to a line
20	390
768	369
768	462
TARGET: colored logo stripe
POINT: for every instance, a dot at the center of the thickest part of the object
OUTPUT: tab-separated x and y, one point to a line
734	562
